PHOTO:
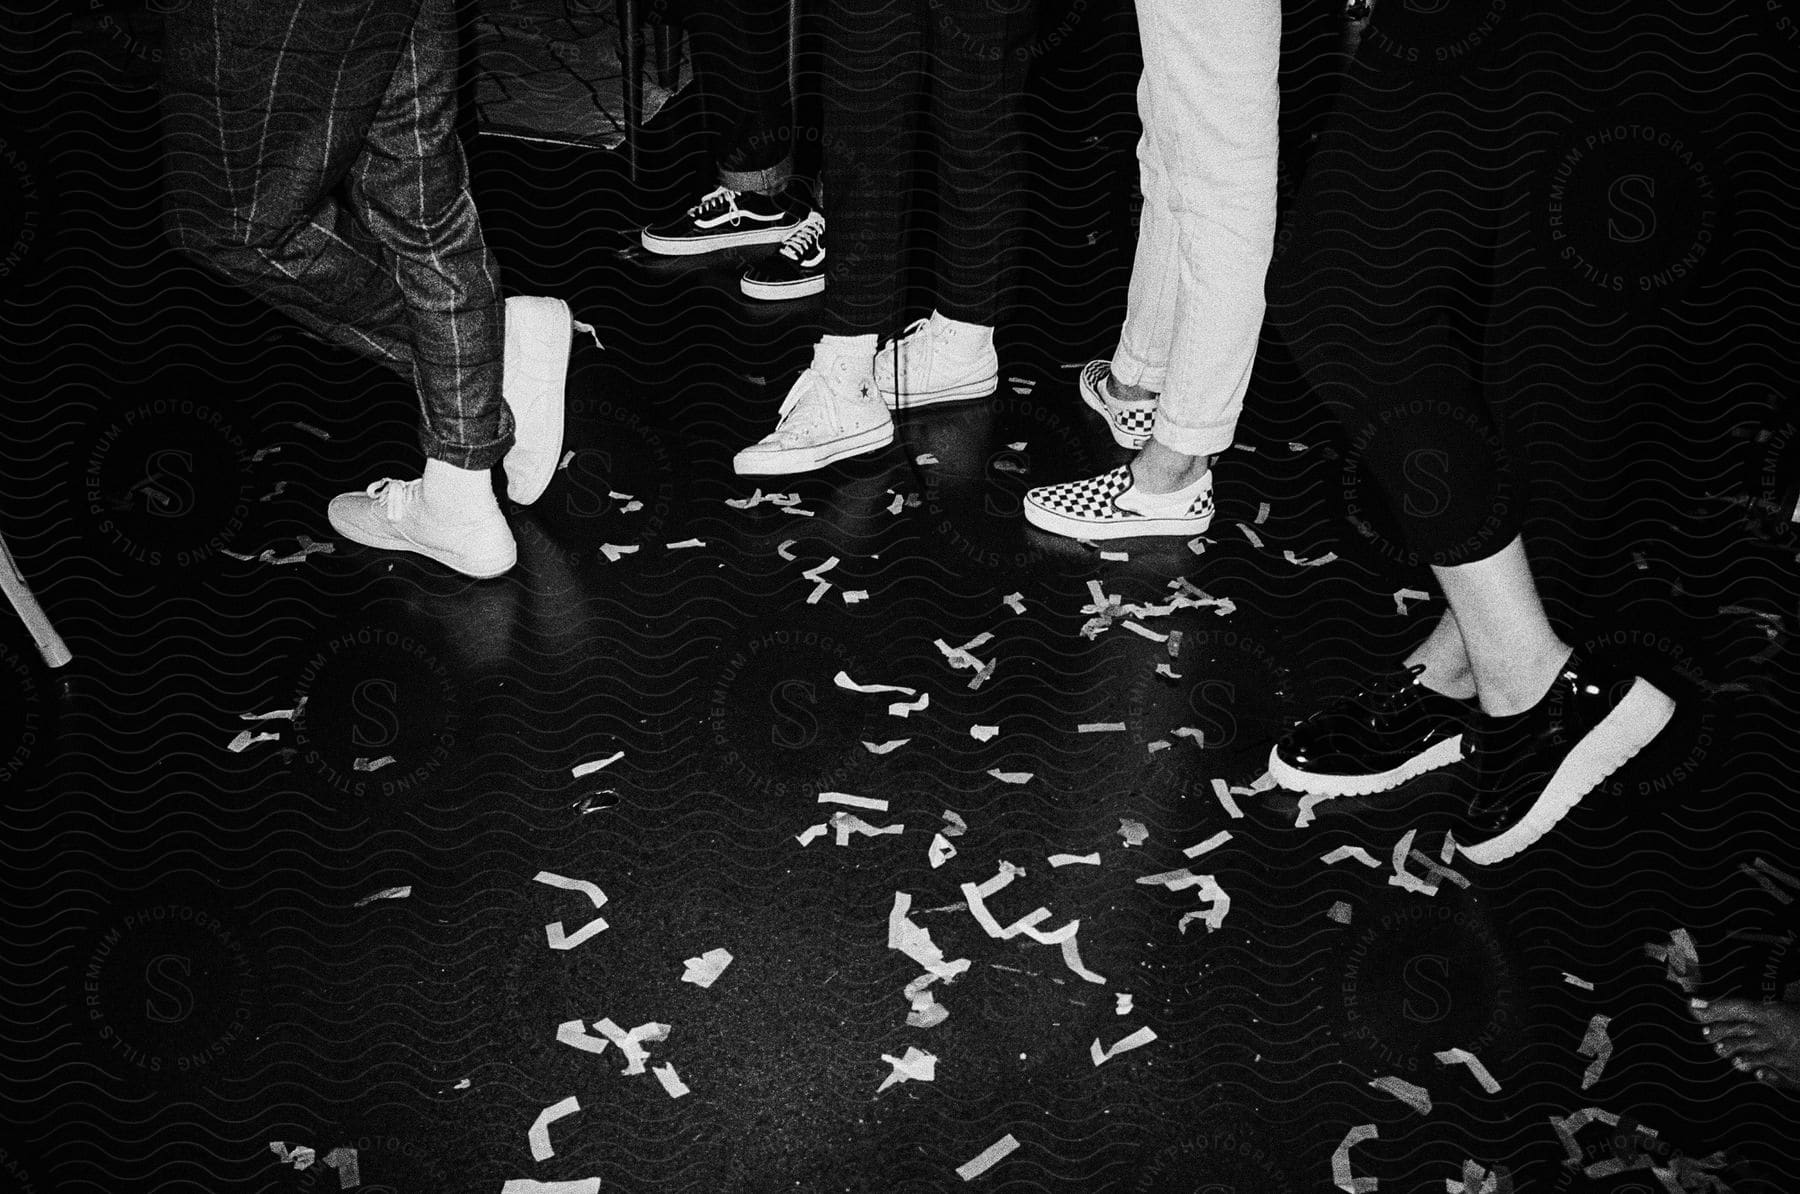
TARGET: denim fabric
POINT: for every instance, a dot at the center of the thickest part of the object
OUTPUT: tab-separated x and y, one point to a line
954	68
1210	104
312	159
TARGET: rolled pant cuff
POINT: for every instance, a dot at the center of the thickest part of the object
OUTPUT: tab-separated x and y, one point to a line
468	456
1192	441
764	182
1129	370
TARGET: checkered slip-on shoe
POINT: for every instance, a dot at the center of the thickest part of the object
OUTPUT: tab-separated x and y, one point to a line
1106	507
1130	422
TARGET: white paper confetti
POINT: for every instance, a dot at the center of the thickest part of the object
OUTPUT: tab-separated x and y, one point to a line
671	1081
925	458
1416	1097
903	708
386	893
526	1185
575	1034
553	932
843	680
916	1066
852	596
631	1044
940	851
245	738
847	824
1262	514
1583	983
910	939
1357	852
1598	1045
984	733
1214	916
1136	1040
1101	727
686	543
1133	832
957	826
612	551
1402	878
539	1134
1212	843
367	764
1010	777
1015	601
888	747
1122	1004
811	833
1402	596
1307	804
705	970
986	1159
1222	790
1463	1057
1074	859
1339	911
781	549
300	1156
1340	1161
1255	539
872	803
589	768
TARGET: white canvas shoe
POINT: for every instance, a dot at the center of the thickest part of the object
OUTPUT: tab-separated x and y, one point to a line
937	360
533	376
832	412
392	515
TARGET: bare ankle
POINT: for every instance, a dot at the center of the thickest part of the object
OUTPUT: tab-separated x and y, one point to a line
1124	393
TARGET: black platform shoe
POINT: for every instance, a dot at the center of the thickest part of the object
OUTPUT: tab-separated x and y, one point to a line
1375	739
1533	767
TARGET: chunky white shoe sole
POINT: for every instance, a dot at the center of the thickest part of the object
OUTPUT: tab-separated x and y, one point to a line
534	376
1633	723
962	392
754	462
1135	528
772	235
1441	754
353	516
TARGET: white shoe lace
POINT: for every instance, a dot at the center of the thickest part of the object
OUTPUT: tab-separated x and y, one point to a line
394	496
804	239
715	199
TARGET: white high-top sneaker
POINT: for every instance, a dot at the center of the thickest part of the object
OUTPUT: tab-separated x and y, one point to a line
937	360
534	373
833	411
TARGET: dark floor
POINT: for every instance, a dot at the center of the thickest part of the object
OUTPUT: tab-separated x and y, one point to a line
196	967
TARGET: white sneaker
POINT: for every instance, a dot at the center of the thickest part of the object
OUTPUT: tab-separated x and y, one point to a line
392	515
533	374
1131	423
1108	507
939	360
831	413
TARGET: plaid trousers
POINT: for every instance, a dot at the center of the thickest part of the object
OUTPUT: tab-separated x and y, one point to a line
312	159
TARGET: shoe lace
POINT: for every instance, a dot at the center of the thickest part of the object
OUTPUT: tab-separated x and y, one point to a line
394	496
804	239
715	199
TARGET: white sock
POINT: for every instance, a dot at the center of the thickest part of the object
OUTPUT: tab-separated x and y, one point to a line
458	494
858	350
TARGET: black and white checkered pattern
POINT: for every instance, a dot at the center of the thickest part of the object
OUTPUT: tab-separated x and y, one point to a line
1091	501
1130	422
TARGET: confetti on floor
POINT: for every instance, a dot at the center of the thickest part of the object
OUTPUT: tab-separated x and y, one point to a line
988	1157
705	970
386	893
588	768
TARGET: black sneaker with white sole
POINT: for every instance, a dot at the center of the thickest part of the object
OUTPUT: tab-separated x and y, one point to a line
795	270
1377	738
1533	767
725	219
